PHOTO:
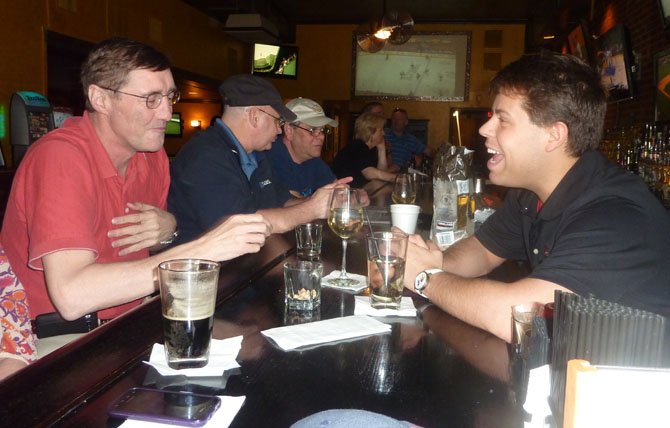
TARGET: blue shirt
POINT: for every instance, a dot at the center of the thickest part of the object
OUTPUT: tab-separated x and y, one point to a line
403	146
303	178
248	161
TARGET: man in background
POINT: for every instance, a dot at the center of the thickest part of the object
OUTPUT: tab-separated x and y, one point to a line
403	144
224	170
373	107
296	154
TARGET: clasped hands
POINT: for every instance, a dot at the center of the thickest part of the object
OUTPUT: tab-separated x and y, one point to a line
143	226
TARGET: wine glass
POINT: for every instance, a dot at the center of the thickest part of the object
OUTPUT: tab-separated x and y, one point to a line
345	218
404	190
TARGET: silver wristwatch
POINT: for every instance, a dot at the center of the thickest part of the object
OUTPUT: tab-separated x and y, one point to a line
423	278
171	239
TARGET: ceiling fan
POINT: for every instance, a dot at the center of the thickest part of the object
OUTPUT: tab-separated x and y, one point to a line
396	27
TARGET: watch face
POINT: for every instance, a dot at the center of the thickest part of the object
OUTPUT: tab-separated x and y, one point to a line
421	281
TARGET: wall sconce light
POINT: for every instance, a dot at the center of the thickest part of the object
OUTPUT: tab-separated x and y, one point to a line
195	123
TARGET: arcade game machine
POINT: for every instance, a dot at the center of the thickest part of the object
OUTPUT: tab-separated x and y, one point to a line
31	116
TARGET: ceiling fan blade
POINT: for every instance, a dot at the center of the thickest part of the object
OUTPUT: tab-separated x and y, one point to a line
365	38
403	26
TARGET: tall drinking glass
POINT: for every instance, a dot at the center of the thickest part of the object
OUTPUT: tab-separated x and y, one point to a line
404	189
345	218
188	297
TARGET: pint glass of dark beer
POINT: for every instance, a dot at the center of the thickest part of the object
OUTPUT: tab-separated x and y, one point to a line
188	296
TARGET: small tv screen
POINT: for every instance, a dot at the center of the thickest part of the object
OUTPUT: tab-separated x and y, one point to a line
278	61
173	127
614	63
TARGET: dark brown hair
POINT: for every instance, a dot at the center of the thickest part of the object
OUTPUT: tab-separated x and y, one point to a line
558	88
110	61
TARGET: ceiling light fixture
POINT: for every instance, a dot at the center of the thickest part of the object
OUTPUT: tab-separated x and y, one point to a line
394	27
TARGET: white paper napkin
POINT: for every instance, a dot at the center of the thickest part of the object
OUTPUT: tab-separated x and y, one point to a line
537	397
360	285
222	418
363	307
222	354
331	330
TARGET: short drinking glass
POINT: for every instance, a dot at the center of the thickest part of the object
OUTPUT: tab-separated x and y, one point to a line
386	268
302	281
308	239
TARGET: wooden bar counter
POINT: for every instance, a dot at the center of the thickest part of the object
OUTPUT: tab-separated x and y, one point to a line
433	372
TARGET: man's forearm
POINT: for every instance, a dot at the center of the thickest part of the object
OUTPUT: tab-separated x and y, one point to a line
485	303
469	258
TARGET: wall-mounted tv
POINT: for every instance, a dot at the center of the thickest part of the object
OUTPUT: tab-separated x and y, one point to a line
430	66
614	63
173	127
277	61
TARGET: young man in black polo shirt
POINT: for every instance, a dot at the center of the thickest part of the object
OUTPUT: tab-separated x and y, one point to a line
584	224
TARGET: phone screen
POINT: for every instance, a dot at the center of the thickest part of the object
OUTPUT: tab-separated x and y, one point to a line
183	408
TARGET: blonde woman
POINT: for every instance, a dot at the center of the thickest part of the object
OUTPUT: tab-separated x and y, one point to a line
365	158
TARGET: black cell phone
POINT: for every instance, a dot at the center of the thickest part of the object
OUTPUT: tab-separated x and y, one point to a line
173	407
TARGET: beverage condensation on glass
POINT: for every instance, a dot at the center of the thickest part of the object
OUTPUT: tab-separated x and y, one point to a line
188	297
386	268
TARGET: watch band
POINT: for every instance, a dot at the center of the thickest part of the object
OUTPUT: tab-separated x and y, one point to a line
428	273
171	239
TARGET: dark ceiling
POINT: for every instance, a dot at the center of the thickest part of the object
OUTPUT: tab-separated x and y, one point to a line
539	15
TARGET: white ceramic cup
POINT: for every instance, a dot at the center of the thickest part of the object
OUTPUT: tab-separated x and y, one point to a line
405	216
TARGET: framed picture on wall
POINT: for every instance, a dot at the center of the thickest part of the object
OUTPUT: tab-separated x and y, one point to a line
662	81
579	43
428	67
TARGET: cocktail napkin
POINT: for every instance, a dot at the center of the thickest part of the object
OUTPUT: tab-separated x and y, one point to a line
537	397
222	354
223	417
363	307
360	285
331	330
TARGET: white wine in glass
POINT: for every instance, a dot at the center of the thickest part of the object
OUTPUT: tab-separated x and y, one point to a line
404	190
345	218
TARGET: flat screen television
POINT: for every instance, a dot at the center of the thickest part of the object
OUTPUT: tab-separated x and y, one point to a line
173	127
614	63
276	61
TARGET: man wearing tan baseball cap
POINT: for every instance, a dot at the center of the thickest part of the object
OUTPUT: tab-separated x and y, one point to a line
224	170
296	155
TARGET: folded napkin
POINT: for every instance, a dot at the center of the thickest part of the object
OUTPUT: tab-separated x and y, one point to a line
331	330
363	307
222	418
360	284
222	354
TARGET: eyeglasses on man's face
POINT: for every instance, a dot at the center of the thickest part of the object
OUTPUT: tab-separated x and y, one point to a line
279	121
314	131
154	99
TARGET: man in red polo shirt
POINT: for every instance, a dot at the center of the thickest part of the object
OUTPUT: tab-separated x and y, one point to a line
88	201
